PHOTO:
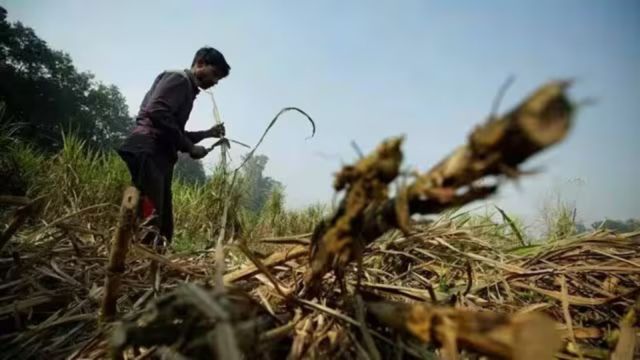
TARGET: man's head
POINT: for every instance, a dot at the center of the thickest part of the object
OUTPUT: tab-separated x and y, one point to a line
208	67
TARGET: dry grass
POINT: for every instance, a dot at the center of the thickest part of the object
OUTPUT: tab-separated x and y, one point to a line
53	285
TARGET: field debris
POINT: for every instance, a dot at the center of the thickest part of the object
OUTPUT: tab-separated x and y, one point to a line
485	332
497	147
369	282
117	255
50	303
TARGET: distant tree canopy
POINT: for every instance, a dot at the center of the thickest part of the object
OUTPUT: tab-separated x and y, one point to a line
43	91
258	186
620	226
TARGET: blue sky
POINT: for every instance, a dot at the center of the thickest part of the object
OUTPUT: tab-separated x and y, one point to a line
366	70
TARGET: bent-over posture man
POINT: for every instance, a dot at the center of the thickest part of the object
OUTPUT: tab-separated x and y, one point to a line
150	150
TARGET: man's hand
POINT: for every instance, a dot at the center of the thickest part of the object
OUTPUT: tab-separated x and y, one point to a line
198	152
218	131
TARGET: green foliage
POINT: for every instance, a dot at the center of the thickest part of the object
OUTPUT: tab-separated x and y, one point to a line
580	228
18	161
198	208
189	171
620	226
251	224
42	88
304	220
258	187
502	229
513	225
19	166
279	221
274	207
559	219
78	177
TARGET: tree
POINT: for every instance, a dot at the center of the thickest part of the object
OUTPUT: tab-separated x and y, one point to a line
258	187
620	226
43	90
580	228
189	171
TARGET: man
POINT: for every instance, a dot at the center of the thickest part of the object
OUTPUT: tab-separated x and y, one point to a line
150	151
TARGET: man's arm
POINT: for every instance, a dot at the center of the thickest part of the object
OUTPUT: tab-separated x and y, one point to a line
196	136
167	97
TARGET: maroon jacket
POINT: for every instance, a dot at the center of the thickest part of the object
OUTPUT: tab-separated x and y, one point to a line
162	117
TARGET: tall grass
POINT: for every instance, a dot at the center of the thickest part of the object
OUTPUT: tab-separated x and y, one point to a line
78	178
276	220
16	159
501	229
198	209
559	218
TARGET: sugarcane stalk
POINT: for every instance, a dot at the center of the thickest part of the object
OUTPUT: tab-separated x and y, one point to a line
227	187
118	253
495	148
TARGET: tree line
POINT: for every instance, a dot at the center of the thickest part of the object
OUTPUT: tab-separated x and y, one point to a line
46	95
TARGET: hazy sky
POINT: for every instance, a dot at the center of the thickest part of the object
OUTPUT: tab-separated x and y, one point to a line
366	70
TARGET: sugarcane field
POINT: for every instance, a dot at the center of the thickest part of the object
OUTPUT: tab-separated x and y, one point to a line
319	180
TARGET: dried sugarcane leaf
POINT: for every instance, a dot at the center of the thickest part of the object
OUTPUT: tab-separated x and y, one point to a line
528	336
627	344
274	259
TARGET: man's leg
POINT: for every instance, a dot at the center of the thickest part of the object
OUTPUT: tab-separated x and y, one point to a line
165	219
149	178
166	228
152	175
151	182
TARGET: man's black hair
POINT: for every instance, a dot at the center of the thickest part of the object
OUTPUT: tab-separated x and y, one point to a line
211	56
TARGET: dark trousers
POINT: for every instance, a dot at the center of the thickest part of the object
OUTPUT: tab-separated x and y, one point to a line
152	175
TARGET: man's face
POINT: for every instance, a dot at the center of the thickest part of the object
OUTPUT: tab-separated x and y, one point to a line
206	75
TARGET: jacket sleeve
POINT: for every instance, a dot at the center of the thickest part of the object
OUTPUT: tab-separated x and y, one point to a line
168	96
197	136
